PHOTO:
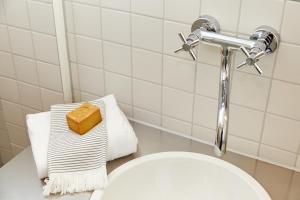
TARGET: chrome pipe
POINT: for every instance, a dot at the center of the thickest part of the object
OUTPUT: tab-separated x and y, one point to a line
226	41
223	105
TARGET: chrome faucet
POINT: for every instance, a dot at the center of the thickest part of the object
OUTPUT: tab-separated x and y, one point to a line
262	42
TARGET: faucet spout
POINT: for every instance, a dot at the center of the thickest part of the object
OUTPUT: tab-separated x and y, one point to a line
223	105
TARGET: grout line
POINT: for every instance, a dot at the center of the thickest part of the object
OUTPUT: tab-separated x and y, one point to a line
162	65
31	58
102	48
194	93
270	88
131	58
28	29
239	18
75	47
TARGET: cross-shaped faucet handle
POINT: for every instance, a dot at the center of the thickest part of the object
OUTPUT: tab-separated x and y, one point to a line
187	45
252	59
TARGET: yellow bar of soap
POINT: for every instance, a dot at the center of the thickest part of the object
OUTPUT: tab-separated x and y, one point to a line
84	118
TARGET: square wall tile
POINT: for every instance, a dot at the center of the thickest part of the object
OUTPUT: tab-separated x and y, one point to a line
26	70
91	2
147	65
91	80
50	97
49	54
2	120
16	149
150	100
117	4
241	145
116	26
249	22
147	116
27	110
290	29
246	86
112	86
226	12
21	42
87	20
41	17
284	99
13	113
177	126
89	51
46	1
209	54
153	8
287	65
205	111
184	11
282	133
204	134
9	89
88	97
49	76
4	40
16	13
6	63
177	104
18	135
146	27
117	58
172	40
30	95
276	155
179	73
207	82
126	109
74	76
4	139
245	123
2	14
71	43
5	155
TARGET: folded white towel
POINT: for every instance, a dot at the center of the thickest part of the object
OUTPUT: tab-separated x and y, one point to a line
122	140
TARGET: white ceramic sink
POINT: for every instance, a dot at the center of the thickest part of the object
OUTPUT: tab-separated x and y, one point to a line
181	176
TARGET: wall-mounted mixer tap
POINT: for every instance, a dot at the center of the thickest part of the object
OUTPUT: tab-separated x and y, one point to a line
262	42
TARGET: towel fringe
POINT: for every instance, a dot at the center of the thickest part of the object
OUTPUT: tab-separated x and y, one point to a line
70	182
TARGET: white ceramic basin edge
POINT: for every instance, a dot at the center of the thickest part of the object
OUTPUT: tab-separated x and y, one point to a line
181	175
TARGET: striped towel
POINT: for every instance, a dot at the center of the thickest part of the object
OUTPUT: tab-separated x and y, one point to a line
76	163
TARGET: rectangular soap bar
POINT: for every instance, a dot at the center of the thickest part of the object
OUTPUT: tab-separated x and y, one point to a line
84	118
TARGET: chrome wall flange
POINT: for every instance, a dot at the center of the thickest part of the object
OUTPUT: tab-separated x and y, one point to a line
267	35
206	22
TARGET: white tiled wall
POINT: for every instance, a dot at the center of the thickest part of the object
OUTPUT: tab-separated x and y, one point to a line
130	45
30	79
126	47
